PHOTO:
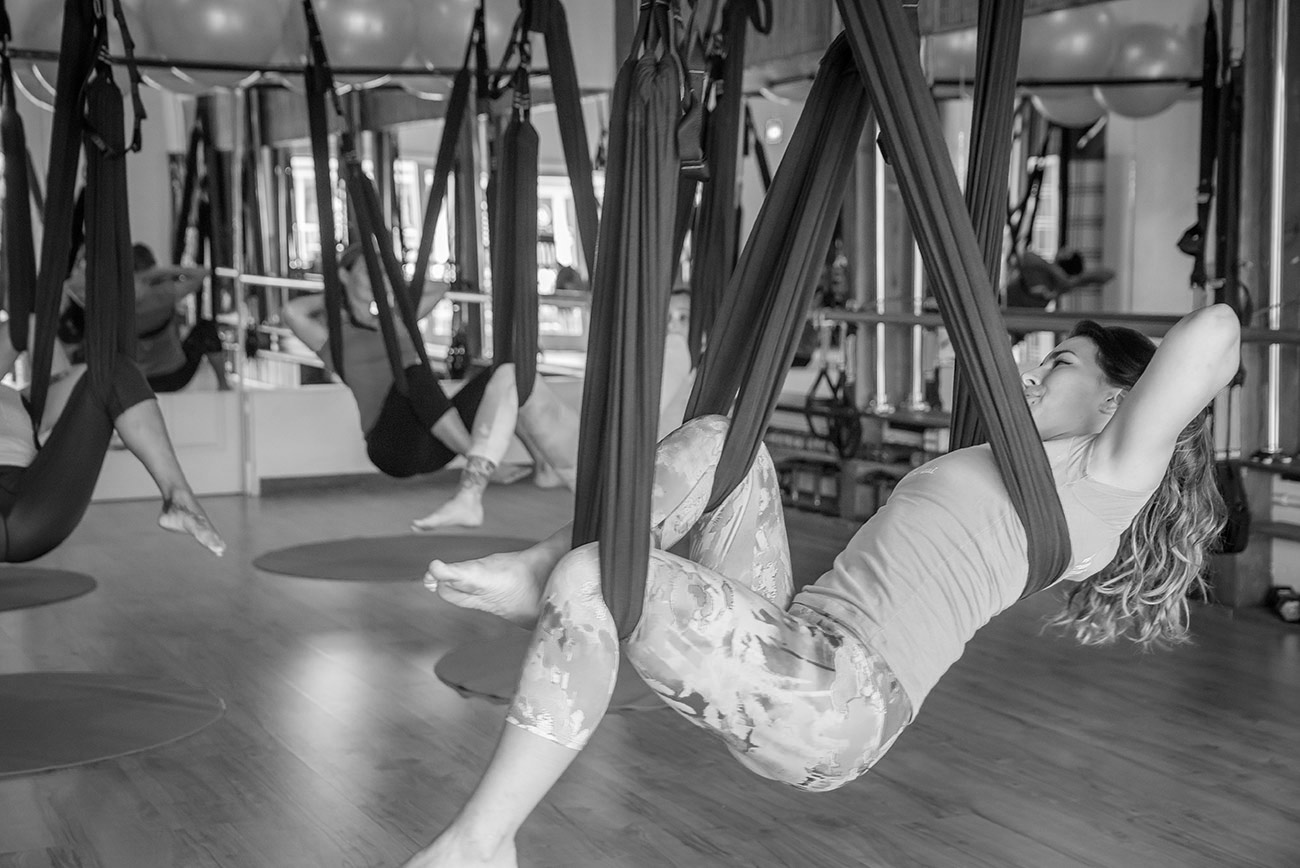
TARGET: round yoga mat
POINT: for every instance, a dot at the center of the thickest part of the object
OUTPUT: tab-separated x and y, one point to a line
401	558
489	668
22	587
53	720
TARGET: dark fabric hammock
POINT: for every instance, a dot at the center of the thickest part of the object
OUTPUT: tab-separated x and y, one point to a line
19	252
885	50
630	288
56	488
747	358
514	251
756	333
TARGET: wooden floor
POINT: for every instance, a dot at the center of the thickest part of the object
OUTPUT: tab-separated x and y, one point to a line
341	748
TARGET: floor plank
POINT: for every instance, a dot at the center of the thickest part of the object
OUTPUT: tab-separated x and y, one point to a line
340	747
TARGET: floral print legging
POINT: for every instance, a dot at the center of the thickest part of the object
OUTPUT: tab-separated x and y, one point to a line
793	696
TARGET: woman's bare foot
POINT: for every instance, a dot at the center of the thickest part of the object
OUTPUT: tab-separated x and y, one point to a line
546	476
447	852
183	514
463	510
508	585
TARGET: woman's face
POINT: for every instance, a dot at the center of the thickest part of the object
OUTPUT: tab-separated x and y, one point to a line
679	314
1067	393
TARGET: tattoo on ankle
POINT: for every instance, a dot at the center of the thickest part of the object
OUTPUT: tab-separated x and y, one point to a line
478	470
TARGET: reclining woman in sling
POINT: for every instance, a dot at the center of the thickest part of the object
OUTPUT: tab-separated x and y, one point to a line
45	489
816	686
487	412
169	361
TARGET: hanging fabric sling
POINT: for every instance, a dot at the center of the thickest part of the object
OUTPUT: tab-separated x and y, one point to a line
885	51
373	236
55	489
764	307
548	18
998	36
630	288
514	251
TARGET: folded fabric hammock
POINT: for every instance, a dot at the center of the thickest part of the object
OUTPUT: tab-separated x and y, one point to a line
885	50
630	289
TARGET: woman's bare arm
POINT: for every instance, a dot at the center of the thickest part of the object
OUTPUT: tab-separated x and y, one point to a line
1197	358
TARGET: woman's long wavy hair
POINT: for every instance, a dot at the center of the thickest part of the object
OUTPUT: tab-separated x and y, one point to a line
1142	594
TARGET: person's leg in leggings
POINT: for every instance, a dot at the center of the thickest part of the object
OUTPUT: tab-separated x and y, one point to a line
494	426
744	535
794	699
135	414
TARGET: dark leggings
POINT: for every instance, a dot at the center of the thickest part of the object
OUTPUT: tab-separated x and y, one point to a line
400	443
202	340
42	503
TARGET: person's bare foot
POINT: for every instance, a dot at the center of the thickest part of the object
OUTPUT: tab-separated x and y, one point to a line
461	511
446	852
508	585
546	476
183	514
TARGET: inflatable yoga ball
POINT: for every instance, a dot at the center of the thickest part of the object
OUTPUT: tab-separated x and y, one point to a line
234	31
1070	43
1147	51
45	33
442	34
1069	106
950	56
357	33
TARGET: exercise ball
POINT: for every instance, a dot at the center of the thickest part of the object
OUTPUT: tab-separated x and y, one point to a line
950	55
357	33
442	32
45	33
1069	106
234	31
1069	43
1147	51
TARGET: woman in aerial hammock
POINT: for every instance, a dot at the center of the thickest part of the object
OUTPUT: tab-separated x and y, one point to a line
169	361
44	491
487	407
811	689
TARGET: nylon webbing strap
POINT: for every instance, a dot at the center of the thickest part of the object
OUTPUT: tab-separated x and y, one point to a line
999	26
76	58
714	236
885	50
453	122
620	401
1193	240
758	327
514	256
549	17
19	251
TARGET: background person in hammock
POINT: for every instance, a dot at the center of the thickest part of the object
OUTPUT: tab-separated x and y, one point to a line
811	689
41	491
487	412
168	362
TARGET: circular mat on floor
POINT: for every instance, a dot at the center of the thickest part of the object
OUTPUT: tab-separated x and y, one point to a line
401	558
489	668
53	720
22	587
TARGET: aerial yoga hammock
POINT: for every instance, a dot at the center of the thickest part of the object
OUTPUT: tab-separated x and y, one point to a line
415	402
43	502
754	336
